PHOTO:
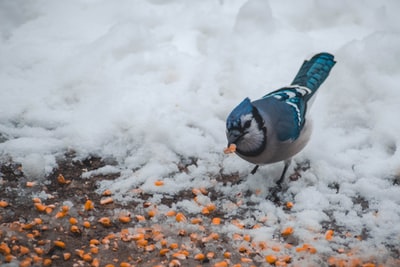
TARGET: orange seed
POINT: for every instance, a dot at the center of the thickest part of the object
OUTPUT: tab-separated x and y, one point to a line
289	204
216	221
73	220
164	251
180	217
287	231
107	192
107	200
66	256
87	257
105	221
86	224
124	219
170	213
59	244
329	235
221	264
159	183
271	259
89	205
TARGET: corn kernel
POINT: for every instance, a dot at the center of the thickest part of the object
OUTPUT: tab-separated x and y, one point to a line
287	231
89	205
180	217
329	235
271	259
59	244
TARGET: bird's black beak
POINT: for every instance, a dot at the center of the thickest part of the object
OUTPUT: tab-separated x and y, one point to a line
233	136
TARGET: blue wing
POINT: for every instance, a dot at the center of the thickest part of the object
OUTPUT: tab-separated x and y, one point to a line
288	105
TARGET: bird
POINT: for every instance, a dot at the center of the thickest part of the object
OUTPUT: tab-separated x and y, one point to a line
277	126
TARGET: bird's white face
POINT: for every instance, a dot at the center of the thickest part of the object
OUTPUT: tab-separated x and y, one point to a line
248	137
245	128
253	136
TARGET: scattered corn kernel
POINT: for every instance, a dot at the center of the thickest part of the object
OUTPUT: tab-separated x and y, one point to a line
174	263
75	229
125	219
73	220
142	243
23	250
178	255
221	264
59	244
329	235
159	183
89	205
107	193
247	238
4	249
105	221
107	200
199	256
48	209
38	250
196	221
173	246
289	204
47	262
285	258
205	211
180	217
149	248
140	218
87	257
61	179
164	251
216	221
60	214
227	255
276	248
211	207
152	213
210	255
280	263
30	184
271	259
287	231
66	256
170	213
40	206
86	224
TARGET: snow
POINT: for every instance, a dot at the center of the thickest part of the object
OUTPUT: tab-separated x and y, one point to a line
150	83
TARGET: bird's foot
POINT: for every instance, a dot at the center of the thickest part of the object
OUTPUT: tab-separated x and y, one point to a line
274	193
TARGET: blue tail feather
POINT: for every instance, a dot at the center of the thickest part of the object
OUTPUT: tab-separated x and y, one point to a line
313	72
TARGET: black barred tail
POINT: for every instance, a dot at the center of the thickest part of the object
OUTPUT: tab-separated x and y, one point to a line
313	72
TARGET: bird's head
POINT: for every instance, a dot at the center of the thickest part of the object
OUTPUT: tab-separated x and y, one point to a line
245	128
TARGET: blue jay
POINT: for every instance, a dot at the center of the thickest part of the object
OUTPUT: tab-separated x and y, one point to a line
275	127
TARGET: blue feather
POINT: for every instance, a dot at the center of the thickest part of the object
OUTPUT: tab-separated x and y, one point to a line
245	107
313	72
289	100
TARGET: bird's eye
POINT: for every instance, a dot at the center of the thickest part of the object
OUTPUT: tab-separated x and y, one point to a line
247	124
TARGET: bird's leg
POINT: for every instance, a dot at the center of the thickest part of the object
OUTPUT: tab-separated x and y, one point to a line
287	163
273	192
254	170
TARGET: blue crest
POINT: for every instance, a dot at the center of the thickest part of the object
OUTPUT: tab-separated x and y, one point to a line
245	107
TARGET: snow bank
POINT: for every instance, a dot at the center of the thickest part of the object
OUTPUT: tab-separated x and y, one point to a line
150	84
